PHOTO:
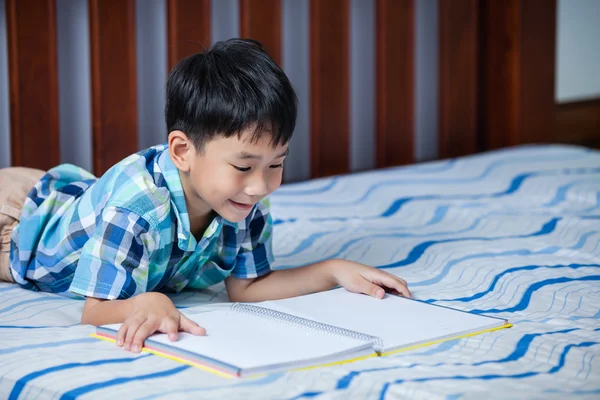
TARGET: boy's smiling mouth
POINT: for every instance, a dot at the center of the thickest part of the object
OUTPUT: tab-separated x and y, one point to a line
241	206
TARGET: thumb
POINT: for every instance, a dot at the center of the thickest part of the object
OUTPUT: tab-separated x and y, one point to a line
366	287
187	325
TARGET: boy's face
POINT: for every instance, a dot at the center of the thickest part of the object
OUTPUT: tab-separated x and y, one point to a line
229	176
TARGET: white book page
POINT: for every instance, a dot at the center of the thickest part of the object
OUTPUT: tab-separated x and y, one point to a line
396	320
247	341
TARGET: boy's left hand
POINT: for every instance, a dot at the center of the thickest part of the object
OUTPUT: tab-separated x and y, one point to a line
360	278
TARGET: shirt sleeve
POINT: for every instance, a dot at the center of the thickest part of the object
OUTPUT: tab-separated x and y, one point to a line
256	252
114	262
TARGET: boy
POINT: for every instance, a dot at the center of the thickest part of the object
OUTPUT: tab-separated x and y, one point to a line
187	214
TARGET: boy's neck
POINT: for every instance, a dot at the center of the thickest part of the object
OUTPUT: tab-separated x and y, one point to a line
199	213
199	223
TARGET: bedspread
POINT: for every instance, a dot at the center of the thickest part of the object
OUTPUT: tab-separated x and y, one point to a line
513	233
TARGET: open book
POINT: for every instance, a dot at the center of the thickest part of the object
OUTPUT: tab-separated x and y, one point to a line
318	329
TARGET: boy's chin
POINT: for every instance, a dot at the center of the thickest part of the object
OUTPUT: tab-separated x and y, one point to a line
233	213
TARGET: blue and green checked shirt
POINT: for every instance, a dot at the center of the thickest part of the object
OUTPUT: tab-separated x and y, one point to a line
128	232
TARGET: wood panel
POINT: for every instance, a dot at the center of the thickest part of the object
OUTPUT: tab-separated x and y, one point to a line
578	123
188	28
330	125
500	100
519	71
395	82
459	75
537	69
113	61
33	77
261	20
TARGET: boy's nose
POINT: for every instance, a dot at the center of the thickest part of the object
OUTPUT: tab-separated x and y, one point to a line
258	188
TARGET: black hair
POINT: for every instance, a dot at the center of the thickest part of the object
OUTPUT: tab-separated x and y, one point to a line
231	87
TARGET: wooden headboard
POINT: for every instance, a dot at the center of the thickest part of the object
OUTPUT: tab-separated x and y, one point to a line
496	77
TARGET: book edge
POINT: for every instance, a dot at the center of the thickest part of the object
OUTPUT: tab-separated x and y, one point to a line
416	346
159	353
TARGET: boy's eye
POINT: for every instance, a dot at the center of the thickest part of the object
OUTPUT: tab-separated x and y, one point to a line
243	169
280	165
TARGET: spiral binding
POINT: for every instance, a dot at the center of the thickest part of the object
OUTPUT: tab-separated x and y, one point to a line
306	323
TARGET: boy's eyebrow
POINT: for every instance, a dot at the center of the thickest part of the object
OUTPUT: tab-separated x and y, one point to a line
244	155
285	153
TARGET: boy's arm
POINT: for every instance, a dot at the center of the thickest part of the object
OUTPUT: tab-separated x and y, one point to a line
256	257
102	312
313	278
281	284
114	265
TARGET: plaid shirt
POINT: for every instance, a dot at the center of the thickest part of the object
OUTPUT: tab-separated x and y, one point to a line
128	232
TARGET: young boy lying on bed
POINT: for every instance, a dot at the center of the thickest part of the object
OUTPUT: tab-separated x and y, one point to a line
187	214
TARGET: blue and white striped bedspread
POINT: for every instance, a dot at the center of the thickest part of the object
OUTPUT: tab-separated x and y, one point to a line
512	233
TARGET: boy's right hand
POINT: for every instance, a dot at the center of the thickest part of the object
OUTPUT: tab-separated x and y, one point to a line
153	312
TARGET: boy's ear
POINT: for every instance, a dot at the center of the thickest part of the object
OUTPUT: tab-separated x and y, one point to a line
181	150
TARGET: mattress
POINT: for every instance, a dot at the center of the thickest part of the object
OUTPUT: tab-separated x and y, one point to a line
513	233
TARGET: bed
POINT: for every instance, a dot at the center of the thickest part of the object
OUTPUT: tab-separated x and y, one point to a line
513	233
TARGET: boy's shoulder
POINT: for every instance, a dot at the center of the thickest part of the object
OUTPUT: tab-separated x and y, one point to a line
138	184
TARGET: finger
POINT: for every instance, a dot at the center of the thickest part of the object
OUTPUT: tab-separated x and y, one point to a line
133	326
121	334
171	328
187	325
145	330
404	291
364	286
398	284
